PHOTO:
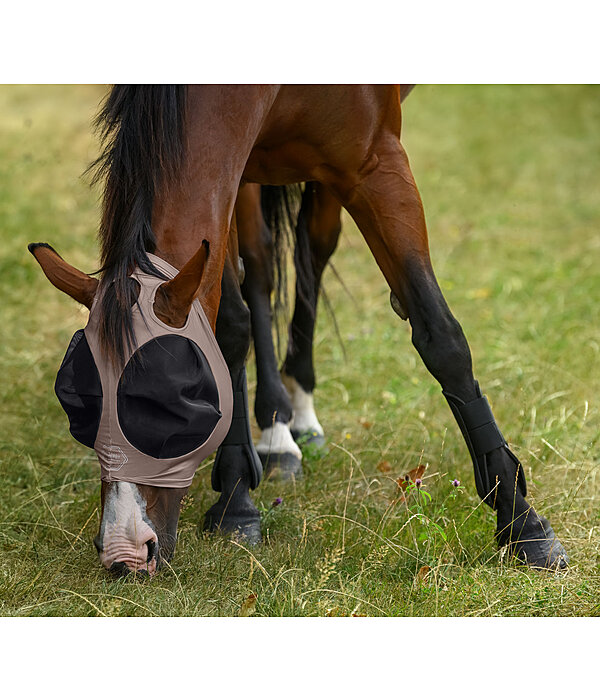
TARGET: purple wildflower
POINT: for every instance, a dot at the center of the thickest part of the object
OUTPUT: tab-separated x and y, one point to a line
455	483
277	502
418	483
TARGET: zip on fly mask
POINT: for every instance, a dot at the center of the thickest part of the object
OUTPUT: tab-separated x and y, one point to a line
153	418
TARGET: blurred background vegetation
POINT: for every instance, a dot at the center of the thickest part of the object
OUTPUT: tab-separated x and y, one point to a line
509	176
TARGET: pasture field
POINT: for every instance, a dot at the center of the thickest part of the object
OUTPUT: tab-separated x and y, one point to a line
510	180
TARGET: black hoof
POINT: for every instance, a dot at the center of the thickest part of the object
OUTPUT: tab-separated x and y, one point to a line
281	466
535	545
244	528
309	437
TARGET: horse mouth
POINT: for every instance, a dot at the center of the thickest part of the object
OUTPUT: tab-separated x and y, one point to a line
123	559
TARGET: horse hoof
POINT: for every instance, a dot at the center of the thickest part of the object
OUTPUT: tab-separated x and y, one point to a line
309	437
247	533
539	548
281	466
243	529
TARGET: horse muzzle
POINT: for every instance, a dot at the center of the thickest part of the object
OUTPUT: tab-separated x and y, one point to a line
127	541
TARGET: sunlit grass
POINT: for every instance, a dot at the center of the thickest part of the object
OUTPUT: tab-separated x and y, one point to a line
509	179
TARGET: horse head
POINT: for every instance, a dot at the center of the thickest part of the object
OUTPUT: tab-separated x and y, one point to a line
139	517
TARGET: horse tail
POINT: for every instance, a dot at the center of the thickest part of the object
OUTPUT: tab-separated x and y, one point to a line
287	210
142	135
284	210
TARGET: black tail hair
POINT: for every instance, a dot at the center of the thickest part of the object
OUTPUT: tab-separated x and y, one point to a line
281	208
287	210
142	133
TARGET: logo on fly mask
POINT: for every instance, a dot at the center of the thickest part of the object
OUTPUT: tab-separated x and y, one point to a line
167	397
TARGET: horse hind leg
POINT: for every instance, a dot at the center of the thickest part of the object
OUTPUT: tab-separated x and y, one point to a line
278	452
237	468
387	208
317	234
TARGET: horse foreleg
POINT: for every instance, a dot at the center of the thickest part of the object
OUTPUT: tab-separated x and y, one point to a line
317	234
386	206
237	467
277	450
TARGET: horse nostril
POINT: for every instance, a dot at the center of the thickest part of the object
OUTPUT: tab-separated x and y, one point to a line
120	569
152	550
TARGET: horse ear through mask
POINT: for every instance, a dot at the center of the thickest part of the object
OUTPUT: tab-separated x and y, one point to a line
174	299
63	276
153	419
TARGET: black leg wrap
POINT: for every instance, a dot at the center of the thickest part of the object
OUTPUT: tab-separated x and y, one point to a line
478	426
239	433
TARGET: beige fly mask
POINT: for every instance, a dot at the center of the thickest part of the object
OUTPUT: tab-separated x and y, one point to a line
154	418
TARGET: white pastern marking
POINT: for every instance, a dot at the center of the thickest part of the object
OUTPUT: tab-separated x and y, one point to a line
305	419
277	440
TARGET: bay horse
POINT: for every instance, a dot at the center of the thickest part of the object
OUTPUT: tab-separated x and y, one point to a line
174	159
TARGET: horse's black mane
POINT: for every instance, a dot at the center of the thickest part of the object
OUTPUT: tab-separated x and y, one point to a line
142	133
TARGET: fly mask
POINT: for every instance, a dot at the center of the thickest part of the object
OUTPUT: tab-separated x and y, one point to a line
153	418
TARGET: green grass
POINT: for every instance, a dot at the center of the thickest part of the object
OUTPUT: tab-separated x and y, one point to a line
509	178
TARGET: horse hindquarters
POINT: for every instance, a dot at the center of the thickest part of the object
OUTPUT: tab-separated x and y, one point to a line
387	208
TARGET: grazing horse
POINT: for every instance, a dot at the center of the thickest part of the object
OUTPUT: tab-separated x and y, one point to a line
174	159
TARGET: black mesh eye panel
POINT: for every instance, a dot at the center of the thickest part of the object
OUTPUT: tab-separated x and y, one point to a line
167	400
79	390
